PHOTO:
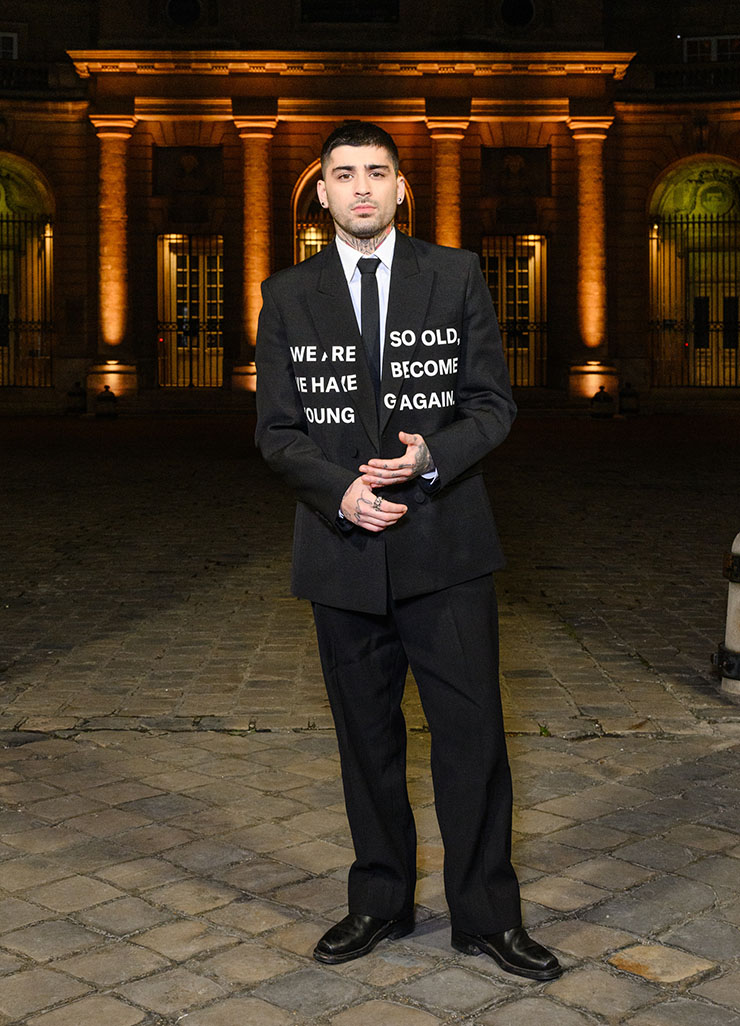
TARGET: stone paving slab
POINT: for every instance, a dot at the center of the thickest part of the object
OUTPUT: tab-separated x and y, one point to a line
161	938
149	587
172	834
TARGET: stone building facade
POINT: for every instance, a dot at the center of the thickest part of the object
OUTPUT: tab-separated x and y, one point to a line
158	160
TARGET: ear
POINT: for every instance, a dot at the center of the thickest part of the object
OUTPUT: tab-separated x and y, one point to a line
321	192
400	188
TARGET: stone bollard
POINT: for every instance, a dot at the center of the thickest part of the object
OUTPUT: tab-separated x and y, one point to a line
105	404
602	404
728	656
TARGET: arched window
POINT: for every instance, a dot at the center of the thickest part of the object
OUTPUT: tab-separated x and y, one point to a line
313	226
25	275
695	275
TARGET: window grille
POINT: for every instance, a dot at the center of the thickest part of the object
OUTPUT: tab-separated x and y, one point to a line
190	299
711	48
8	46
515	269
26	327
695	290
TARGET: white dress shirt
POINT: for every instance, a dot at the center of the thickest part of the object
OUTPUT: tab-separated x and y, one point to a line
349	258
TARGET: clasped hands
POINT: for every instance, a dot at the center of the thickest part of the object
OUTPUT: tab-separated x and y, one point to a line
363	507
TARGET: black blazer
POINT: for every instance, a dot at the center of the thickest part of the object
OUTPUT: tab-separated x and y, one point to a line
444	377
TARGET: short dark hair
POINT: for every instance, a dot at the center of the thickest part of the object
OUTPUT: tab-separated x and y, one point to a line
359	133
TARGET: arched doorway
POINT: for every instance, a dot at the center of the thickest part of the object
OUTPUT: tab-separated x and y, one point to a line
25	275
695	275
313	227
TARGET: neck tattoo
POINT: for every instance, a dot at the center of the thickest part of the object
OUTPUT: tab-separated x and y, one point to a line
365	246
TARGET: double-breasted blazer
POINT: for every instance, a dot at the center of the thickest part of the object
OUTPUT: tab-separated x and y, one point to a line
444	376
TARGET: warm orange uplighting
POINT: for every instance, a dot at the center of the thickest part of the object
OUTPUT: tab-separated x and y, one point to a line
120	378
585	380
113	134
244	379
589	138
256	135
447	151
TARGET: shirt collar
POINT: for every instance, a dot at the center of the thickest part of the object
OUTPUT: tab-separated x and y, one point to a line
350	256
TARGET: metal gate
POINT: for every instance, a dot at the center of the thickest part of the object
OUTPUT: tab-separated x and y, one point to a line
25	301
694	290
311	236
190	299
515	269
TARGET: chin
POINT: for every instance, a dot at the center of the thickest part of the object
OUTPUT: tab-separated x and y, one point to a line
366	229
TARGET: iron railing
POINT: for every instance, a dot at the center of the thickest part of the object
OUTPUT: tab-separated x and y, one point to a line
190	300
694	291
26	327
515	269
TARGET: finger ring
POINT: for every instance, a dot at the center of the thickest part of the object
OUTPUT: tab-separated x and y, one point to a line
376	504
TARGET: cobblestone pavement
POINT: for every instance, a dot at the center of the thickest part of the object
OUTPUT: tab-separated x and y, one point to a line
172	840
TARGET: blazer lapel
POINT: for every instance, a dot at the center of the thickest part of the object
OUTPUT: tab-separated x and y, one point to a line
408	302
336	325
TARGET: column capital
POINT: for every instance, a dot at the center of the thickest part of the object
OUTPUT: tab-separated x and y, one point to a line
113	126
255	127
447	128
590	127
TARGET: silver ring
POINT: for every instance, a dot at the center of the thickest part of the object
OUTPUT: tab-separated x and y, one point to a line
376	504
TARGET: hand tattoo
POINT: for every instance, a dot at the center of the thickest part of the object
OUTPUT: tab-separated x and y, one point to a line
423	460
358	511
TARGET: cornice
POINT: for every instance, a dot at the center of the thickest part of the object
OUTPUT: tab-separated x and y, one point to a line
660	111
484	109
299	108
305	63
58	110
196	108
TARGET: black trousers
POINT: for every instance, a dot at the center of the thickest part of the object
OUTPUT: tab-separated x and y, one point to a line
450	640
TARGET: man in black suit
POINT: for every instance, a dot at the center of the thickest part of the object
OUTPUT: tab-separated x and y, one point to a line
381	386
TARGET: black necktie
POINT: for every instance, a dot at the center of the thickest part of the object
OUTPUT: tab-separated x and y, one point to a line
370	316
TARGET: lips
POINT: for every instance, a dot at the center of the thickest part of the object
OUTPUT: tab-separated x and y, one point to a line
364	208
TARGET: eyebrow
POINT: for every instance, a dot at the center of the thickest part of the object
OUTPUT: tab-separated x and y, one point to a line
368	167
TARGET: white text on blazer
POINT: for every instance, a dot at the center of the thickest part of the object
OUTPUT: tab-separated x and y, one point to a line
429	337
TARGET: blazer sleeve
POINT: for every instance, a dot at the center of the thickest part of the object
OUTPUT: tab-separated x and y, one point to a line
282	430
484	406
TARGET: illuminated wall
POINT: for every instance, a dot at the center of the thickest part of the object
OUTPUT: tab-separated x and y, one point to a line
589	136
113	134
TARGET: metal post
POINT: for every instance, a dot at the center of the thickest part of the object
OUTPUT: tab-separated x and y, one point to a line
728	657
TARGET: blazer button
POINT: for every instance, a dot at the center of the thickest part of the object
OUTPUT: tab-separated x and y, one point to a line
420	495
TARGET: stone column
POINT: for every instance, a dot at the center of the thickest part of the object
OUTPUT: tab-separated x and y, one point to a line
256	134
589	135
112	372
447	137
113	133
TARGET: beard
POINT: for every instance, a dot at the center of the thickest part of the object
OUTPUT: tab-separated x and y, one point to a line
366	227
